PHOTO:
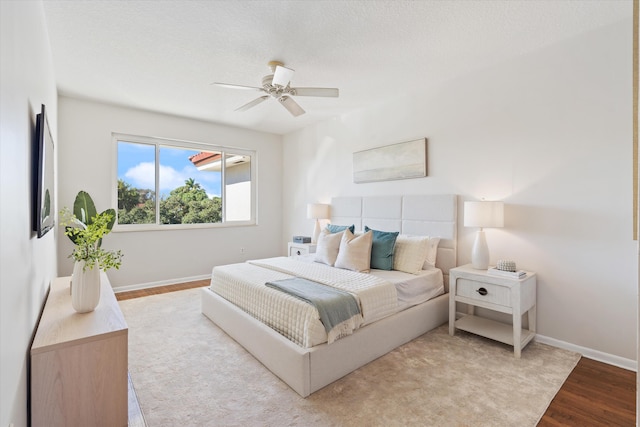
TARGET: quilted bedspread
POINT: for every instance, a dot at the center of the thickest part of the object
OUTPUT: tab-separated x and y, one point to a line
244	285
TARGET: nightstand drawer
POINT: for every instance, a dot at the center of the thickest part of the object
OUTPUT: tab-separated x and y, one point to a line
297	249
495	294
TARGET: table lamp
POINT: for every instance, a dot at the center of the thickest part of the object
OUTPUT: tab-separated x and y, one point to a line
482	214
317	211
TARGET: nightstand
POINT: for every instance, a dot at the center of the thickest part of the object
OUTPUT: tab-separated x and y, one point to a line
478	288
296	249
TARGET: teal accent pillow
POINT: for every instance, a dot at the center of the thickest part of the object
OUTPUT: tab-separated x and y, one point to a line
382	248
332	228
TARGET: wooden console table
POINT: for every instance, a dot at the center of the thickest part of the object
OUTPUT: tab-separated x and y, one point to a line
79	362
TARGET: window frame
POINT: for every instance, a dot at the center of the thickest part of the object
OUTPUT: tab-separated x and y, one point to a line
157	142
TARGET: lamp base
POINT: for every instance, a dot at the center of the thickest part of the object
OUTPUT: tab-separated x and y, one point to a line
480	252
316	232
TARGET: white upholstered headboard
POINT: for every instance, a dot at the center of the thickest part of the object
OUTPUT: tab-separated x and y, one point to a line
426	215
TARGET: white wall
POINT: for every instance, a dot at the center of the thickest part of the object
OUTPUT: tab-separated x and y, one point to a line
26	263
550	134
85	163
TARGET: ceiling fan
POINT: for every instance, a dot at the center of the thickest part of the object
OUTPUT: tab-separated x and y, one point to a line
277	85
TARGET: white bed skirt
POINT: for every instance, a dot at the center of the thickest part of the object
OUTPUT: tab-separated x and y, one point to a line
307	370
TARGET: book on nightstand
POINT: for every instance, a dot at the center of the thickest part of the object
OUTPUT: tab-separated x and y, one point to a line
513	274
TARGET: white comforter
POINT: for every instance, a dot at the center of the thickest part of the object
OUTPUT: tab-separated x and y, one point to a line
243	285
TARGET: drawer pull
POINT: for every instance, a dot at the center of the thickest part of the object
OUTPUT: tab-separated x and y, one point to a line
482	291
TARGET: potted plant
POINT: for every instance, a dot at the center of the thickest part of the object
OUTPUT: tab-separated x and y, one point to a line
86	228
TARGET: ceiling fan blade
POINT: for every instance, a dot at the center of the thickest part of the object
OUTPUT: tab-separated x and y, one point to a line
232	86
253	103
291	105
315	91
282	76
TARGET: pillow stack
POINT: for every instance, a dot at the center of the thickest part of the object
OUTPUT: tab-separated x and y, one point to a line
339	247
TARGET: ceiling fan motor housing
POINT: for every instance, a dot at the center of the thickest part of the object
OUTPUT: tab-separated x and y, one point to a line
275	90
277	85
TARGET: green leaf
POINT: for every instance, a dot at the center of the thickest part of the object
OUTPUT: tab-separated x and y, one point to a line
83	208
112	221
73	237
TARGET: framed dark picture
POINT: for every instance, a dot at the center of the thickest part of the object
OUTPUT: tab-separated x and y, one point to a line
43	177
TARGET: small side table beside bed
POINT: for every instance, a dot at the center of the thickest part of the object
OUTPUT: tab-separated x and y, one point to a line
479	288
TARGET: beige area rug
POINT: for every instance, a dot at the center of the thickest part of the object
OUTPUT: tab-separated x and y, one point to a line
188	372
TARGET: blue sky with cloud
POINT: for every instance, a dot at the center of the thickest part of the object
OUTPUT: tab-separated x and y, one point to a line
136	167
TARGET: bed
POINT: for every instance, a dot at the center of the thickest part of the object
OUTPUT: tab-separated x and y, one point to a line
305	358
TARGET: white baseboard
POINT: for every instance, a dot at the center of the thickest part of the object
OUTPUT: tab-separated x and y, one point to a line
590	353
160	283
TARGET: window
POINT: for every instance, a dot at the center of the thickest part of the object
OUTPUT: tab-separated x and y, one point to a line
165	183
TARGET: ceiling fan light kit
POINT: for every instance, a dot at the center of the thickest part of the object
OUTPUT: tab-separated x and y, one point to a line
282	76
277	85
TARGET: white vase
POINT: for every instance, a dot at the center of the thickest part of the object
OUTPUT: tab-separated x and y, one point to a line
85	287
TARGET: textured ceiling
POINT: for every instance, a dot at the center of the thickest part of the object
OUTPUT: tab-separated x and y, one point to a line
163	55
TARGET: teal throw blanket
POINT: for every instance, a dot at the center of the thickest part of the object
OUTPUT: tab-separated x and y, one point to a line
334	305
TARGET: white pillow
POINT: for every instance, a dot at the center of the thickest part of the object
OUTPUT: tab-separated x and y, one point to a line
327	247
410	253
355	251
432	253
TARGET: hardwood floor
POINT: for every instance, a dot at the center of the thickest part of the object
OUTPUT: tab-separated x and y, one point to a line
162	289
594	394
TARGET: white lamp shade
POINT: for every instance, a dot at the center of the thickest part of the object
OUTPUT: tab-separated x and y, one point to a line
484	214
317	211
